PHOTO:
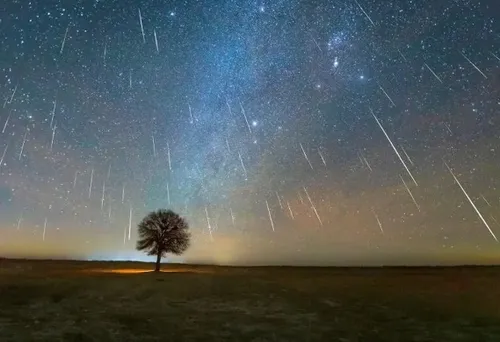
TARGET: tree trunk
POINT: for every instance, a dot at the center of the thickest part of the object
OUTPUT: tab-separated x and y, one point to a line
158	263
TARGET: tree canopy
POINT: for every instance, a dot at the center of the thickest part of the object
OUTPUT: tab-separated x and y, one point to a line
161	232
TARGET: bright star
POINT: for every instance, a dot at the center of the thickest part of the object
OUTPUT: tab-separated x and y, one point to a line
254	123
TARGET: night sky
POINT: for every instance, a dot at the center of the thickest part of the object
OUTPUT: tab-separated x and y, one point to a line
286	132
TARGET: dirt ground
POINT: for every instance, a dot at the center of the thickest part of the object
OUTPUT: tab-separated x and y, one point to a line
116	301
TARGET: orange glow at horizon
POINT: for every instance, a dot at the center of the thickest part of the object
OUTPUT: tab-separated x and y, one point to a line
142	270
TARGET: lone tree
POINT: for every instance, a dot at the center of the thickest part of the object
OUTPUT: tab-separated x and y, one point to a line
162	232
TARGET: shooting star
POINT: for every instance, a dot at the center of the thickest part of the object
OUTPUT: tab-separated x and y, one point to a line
402	56
105	52
123	193
19	222
232	215
103	193
13	93
475	66
366	14
290	210
360	159
498	58
313	206
6	122
44	229
406	154
142	27
279	199
387	95
53	114
156	40
154	146
245	116
365	161
52	139
494	219
305	155
229	107
74	179
485	200
432	71
270	216
409	192
191	118
321	156
130	79
130	223
243	166
470	201
22	146
367	164
91	181
209	226
168	157
64	40
394	147
448	128
378	221
316	43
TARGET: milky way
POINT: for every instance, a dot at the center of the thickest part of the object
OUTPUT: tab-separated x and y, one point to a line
290	132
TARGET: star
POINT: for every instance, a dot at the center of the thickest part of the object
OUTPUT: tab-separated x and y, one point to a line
236	111
336	62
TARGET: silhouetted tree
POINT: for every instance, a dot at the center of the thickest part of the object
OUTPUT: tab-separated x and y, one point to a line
162	232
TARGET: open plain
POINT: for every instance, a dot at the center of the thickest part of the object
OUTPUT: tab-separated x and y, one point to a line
123	301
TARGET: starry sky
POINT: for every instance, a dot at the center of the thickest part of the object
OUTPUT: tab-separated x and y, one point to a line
343	132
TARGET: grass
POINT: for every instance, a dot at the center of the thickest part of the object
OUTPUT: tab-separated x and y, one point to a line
90	301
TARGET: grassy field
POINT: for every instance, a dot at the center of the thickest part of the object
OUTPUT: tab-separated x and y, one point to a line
97	301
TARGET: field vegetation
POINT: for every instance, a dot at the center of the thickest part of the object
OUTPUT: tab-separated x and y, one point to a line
114	301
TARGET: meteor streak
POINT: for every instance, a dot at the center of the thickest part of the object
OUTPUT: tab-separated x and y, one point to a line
130	223
470	201
91	180
270	216
393	147
142	27
22	146
378	221
156	40
209	226
367	16
313	206
475	66
305	155
64	40
409	192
